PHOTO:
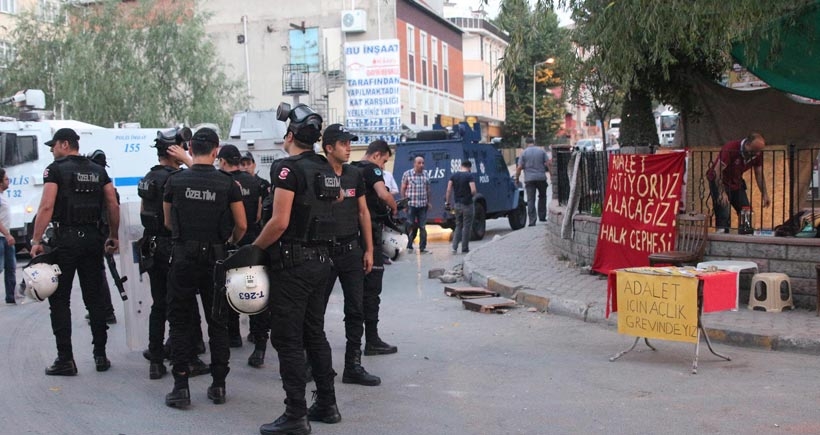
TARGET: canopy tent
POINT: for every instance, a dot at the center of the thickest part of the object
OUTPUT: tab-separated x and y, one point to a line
789	61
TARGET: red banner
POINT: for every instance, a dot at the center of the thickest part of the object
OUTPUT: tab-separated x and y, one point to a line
643	193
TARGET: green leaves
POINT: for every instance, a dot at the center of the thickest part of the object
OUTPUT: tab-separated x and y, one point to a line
134	62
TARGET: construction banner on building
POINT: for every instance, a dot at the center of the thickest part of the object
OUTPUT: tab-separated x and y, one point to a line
372	70
643	194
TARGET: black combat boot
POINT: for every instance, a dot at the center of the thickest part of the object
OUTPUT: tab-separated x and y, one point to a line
354	372
156	370
198	367
293	422
62	367
374	344
216	392
102	363
257	358
324	407
180	396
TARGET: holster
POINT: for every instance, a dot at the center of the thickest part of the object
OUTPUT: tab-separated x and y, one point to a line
146	246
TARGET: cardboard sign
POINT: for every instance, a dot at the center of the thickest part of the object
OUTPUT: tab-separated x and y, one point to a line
643	194
658	306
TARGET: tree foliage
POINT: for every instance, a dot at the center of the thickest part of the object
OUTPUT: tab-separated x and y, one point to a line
108	63
657	47
534	38
588	86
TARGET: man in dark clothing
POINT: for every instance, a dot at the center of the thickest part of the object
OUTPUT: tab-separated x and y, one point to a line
379	203
203	209
155	257
98	157
75	192
462	185
298	239
534	162
725	176
352	255
229	159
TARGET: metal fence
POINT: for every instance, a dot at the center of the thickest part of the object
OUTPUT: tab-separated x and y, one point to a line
782	169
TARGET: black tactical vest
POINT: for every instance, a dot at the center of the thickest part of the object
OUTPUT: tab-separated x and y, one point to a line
80	194
346	213
377	207
200	210
267	199
150	189
311	216
250	194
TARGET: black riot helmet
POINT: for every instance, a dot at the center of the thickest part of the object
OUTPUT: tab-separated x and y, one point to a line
305	123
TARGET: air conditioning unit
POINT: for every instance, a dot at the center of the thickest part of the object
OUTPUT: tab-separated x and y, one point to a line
354	21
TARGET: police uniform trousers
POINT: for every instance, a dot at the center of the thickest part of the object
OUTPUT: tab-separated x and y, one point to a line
297	307
79	250
347	265
373	286
158	277
192	271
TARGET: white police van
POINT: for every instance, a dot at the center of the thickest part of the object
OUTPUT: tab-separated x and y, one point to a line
24	156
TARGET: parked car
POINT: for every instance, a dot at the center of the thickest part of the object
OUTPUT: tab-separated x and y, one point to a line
590	145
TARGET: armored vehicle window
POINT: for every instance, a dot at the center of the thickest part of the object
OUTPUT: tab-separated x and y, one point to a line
15	150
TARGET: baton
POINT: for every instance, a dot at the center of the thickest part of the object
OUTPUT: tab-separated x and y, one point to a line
112	267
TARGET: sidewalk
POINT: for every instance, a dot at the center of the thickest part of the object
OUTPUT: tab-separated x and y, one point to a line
532	274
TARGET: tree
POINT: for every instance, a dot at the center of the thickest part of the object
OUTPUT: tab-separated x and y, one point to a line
111	63
588	86
655	48
534	38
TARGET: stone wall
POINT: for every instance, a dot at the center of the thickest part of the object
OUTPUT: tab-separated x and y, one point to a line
795	257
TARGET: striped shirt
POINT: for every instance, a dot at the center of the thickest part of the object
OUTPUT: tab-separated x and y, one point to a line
416	187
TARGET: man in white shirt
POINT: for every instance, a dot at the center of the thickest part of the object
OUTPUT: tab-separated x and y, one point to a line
8	256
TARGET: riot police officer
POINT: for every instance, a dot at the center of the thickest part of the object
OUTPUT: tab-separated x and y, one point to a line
229	160
155	257
75	192
259	323
98	157
203	209
379	200
298	238
352	254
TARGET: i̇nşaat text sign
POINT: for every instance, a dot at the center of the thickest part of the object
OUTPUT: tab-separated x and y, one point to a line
643	193
658	306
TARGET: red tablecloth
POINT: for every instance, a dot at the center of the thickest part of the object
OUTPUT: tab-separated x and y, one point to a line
719	291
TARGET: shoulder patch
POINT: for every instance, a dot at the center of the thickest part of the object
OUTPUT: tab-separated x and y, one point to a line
377	171
283	174
45	173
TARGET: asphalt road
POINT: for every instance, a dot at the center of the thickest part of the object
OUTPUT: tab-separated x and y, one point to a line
457	372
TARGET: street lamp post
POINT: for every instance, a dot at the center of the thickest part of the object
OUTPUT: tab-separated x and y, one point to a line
534	71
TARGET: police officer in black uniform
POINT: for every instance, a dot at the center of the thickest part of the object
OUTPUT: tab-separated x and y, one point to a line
229	160
259	323
352	255
155	257
379	200
75	193
203	209
98	157
298	238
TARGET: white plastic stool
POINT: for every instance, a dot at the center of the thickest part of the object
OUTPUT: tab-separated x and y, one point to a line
771	290
731	266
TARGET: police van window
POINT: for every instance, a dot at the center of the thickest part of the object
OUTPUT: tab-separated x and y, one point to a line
501	165
15	150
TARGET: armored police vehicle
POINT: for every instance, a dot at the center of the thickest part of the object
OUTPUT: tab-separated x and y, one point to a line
24	156
443	151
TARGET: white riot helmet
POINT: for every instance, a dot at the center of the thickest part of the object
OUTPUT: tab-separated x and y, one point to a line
246	280
393	242
41	277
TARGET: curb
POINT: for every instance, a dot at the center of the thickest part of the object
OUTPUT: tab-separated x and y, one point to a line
595	313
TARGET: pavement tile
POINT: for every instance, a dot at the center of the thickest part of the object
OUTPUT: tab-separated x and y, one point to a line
530	267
